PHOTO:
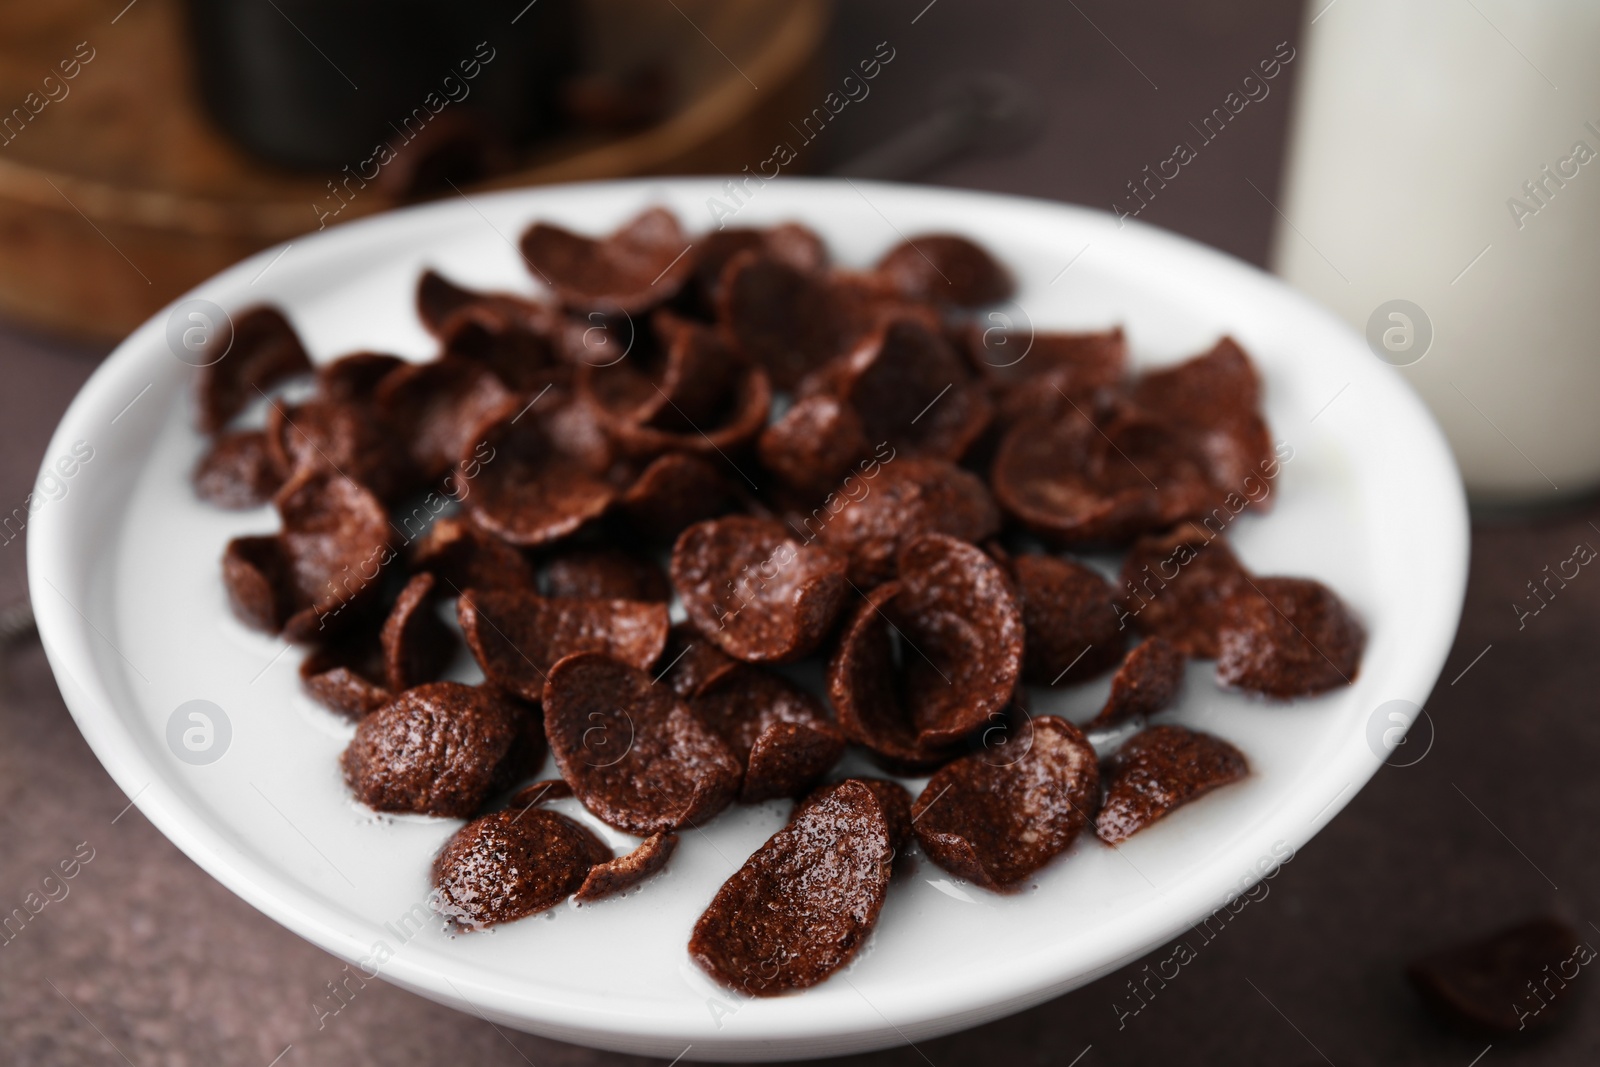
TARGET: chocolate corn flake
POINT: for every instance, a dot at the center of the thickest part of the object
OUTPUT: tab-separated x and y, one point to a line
511	864
417	646
1102	479
1289	637
518	343
605	574
902	498
803	905
786	318
237	471
1070	616
690	662
540	792
1159	769
704	400
439	749
438	297
1515	980
1214	402
814	445
945	269
316	577
1147	681
779	732
436	408
354	379
543	484
792	244
517	636
912	389
347	675
263	351
623	873
1031	372
676	490
339	435
892	798
960	637
1183	585
753	589
997	822
465	557
632	750
639	266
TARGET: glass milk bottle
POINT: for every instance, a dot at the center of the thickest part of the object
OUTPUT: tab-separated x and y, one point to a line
1443	195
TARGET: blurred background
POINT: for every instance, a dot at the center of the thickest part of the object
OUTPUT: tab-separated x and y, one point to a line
1419	166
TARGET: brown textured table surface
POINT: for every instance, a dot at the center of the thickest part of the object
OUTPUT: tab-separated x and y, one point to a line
149	961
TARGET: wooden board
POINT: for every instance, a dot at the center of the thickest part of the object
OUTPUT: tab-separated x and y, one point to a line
117	194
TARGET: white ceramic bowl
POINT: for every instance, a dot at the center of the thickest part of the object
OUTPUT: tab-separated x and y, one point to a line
124	573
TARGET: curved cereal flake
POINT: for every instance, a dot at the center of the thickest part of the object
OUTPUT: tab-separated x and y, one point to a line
605	574
790	243
255	573
347	675
815	444
632	750
1183	585
1159	769
961	638
336	541
1289	637
754	590
438	298
518	343
676	490
465	557
517	635
790	320
639	266
237	471
905	498
354	379
1482	986
1214	402
435	409
1030	372
705	401
913	390
1147	681
439	749
543	482
892	798
623	873
803	905
1076	481
997	823
690	663
263	351
1069	612
417	645
957	605
508	865
540	792
320	574
781	734
340	435
944	268
681	383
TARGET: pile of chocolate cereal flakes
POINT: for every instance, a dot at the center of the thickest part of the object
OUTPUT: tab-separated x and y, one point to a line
846	467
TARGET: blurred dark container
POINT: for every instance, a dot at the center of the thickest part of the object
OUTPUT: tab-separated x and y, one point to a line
318	83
